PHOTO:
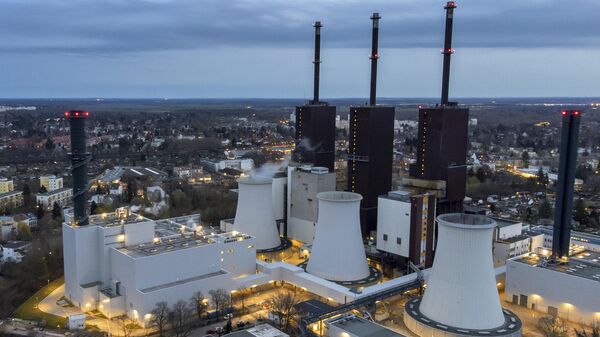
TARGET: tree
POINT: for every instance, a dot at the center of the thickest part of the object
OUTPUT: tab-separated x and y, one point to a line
56	211
200	303
26	190
284	305
594	333
126	326
481	175
220	299
525	158
579	212
241	295
160	317
40	211
93	208
545	210
553	327
43	189
23	232
180	319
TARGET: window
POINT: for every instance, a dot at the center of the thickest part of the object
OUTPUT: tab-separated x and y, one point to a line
384	237
399	241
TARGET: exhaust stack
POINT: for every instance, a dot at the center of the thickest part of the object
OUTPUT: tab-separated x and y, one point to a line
448	51
317	62
374	56
565	186
79	160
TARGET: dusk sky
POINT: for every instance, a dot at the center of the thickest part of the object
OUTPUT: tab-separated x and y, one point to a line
263	48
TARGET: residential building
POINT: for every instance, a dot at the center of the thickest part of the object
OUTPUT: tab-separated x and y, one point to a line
10	200
51	183
13	251
6	185
61	196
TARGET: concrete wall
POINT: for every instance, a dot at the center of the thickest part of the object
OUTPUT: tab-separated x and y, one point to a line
576	298
393	219
81	261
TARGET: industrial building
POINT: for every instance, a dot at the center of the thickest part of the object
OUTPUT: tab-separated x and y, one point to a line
304	183
370	149
405	227
461	298
443	138
353	326
122	263
315	122
560	289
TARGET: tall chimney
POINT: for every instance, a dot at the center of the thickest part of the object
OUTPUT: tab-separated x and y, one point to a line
79	160
448	51
374	56
561	237
317	61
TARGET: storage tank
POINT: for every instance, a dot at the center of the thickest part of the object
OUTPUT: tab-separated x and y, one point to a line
254	214
461	294
337	252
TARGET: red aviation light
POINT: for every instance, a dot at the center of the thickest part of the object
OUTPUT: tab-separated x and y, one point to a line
576	113
450	4
564	113
77	114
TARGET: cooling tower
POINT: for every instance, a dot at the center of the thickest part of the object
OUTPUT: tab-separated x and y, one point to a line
254	214
461	296
337	251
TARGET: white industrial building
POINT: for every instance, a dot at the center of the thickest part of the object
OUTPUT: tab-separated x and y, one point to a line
61	196
304	183
512	240
122	263
570	290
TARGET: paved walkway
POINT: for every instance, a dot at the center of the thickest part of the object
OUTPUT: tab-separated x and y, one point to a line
49	306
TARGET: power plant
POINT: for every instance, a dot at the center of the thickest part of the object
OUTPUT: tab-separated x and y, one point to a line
370	146
254	214
315	122
461	298
337	251
123	263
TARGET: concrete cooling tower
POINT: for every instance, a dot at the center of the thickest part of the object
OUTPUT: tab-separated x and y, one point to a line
337	251
461	298
254	214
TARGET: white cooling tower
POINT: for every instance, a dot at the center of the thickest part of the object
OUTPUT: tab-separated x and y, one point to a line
254	214
461	295
337	252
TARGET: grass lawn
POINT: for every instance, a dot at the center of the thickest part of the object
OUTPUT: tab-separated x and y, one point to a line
28	310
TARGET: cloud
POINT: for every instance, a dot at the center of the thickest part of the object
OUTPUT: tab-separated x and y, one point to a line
126	26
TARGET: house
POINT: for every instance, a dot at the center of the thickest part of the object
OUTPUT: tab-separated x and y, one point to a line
13	251
28	218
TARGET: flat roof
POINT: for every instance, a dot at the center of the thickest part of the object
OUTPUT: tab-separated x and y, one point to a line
182	241
362	328
262	330
313	307
54	192
585	264
503	222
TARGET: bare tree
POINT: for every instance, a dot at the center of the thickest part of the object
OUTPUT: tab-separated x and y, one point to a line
283	304
126	326
180	318
220	299
200	303
160	317
241	296
553	327
595	332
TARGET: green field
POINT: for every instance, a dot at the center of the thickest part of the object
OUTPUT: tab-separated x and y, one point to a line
28	310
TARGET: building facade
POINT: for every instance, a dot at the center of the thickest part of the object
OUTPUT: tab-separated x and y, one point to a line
51	183
61	196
